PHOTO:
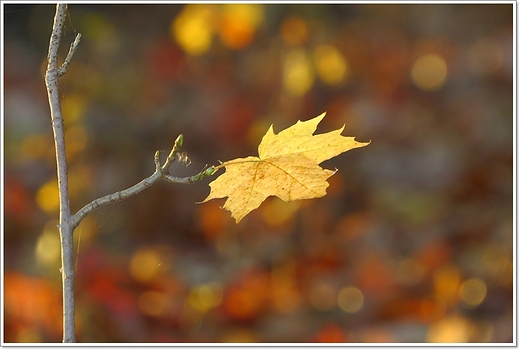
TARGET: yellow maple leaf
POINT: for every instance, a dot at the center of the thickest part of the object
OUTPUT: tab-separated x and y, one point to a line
286	167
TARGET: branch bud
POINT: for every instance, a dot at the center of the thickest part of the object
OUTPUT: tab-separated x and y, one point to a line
179	141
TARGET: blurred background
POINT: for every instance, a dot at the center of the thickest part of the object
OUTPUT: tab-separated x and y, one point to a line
413	242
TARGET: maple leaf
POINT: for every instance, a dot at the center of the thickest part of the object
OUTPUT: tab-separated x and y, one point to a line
286	167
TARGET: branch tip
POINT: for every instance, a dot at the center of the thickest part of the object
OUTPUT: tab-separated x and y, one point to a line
171	157
63	69
179	141
157	160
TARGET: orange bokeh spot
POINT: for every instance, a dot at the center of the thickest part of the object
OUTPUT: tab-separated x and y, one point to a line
105	288
354	225
236	34
239	23
211	220
17	201
375	277
241	304
246	299
31	305
446	284
431	309
331	333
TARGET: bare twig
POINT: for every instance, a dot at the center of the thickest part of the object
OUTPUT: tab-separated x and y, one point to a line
161	172
171	157
63	69
68	222
66	229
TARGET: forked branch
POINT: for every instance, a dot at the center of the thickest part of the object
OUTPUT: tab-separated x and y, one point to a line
161	172
66	229
68	222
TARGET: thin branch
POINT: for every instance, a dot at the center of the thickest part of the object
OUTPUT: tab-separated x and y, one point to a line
66	230
171	157
161	172
68	222
114	198
190	179
63	69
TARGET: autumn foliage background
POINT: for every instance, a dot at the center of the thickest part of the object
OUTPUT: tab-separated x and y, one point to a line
413	242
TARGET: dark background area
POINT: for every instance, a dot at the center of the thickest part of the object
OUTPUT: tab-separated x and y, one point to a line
413	242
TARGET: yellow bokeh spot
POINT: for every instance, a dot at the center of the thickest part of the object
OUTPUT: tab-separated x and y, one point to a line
206	296
153	303
454	329
276	212
193	29
146	264
285	295
429	72
473	291
28	335
75	141
239	23
102	34
238	335
80	179
298	74
38	146
446	284
86	231
332	66
294	31
73	108
48	197
97	26
47	250
350	299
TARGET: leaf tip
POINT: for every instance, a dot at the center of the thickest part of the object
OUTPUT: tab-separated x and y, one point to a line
319	118
363	143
